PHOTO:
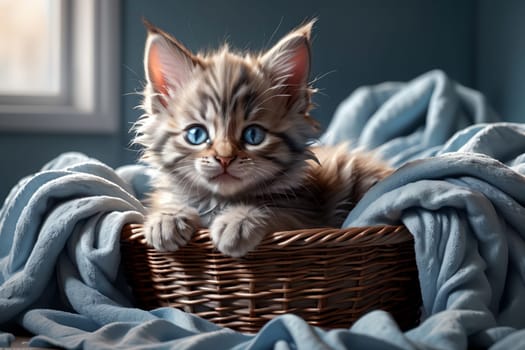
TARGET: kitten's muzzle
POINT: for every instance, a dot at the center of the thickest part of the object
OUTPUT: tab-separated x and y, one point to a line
225	161
225	177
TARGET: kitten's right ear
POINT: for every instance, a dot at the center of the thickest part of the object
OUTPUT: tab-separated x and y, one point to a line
289	60
167	63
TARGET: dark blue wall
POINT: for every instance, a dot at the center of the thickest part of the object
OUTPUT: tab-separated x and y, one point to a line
479	43
500	56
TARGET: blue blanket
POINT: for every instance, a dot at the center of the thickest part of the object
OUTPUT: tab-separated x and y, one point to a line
459	189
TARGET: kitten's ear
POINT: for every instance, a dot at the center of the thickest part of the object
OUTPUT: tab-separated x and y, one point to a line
167	63
289	60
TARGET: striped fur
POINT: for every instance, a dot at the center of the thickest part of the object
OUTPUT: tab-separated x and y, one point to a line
240	191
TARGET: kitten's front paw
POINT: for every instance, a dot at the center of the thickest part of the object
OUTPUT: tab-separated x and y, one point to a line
238	230
170	231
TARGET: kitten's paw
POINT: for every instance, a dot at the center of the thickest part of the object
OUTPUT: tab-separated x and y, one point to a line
238	230
168	232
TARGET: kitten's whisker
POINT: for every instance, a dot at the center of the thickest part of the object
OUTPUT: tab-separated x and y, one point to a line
322	76
274	32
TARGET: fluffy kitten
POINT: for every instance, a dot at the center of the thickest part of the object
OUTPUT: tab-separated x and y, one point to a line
229	134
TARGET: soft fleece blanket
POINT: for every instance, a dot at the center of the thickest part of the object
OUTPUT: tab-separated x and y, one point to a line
459	189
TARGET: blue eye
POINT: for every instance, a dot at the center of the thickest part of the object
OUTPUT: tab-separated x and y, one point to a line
196	135
253	135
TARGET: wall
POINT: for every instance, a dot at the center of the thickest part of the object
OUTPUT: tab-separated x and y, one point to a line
500	56
356	42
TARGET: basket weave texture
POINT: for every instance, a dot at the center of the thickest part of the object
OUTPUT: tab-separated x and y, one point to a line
329	277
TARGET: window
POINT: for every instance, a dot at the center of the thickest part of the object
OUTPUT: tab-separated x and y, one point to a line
59	65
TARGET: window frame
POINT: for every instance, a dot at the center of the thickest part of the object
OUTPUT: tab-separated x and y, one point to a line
88	97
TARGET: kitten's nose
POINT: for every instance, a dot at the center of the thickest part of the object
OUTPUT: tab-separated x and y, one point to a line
225	161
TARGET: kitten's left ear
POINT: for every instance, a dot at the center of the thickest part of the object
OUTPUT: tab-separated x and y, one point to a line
167	63
289	60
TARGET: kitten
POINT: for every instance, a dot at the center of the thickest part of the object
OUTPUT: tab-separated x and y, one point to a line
229	134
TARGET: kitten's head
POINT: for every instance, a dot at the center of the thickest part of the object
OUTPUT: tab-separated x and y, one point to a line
227	122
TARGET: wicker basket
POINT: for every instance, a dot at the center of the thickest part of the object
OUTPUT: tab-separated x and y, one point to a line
330	277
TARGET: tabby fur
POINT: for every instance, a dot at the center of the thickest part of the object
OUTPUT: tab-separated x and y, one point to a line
240	190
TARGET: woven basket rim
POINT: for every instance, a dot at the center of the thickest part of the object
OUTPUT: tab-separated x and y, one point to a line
353	236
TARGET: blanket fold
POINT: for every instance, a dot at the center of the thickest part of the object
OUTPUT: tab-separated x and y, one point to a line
402	122
459	189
